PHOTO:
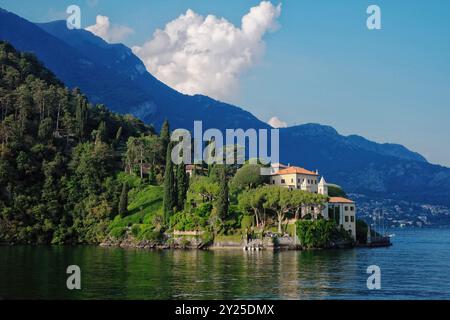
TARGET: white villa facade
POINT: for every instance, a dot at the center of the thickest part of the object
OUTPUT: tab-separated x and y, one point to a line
342	210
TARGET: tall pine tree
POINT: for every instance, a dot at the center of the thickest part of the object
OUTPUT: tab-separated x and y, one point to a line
182	185
123	203
169	199
165	136
81	114
222	199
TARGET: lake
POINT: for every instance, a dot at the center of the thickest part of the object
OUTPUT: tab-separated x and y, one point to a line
416	267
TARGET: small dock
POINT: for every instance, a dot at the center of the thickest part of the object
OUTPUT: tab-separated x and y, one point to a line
253	245
378	242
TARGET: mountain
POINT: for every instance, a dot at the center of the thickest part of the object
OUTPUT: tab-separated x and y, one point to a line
113	75
361	166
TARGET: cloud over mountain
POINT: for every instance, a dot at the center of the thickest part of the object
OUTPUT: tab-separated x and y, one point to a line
111	33
206	55
275	122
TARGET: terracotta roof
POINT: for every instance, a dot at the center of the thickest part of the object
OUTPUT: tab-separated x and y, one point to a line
297	170
279	165
340	200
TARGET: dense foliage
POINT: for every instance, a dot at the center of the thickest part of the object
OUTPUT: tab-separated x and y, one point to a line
320	233
59	156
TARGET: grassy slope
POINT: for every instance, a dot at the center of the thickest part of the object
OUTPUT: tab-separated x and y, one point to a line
144	204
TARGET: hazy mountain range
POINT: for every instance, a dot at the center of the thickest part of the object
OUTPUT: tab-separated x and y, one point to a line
111	74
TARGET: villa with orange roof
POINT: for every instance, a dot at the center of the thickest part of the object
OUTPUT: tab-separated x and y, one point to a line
342	210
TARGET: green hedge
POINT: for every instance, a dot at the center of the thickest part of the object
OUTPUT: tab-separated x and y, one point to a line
315	233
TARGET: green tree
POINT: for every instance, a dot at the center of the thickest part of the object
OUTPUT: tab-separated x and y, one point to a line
169	199
253	200
222	199
249	176
202	189
182	186
336	191
81	115
123	204
165	136
101	132
45	129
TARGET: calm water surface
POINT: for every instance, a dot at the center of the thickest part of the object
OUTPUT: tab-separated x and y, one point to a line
416	267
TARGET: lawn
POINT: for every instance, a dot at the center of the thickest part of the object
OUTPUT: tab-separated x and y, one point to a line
144	204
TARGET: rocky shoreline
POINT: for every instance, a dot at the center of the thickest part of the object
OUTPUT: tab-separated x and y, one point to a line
195	243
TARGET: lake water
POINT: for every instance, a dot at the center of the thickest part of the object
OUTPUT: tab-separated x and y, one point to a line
416	267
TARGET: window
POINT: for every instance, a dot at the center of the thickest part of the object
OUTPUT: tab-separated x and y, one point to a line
346	208
273	181
352	218
298	180
292	180
346	218
352	208
309	181
283	181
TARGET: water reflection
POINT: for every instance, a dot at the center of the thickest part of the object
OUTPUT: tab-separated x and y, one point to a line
113	273
135	274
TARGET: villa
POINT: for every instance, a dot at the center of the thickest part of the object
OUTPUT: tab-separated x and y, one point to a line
342	210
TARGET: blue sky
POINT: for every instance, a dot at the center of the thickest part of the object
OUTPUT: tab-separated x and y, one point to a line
322	64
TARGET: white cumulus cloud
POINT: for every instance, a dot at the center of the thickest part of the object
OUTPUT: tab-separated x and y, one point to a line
275	122
111	33
206	55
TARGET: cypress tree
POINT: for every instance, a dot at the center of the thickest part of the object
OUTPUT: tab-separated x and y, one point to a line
81	114
169	186
101	131
175	189
123	204
165	136
182	186
222	200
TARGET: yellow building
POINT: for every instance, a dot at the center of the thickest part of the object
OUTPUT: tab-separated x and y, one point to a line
296	178
342	210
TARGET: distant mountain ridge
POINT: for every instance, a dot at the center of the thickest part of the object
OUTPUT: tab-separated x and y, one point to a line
388	149
364	169
113	75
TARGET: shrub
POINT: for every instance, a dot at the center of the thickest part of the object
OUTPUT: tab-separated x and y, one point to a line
117	232
152	235
131	180
315	233
136	230
207	238
290	229
247	222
